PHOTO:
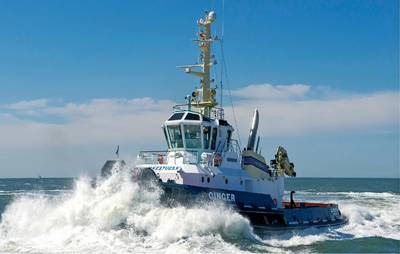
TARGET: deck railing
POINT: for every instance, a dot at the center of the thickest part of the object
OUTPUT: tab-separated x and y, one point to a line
152	157
186	156
216	112
161	157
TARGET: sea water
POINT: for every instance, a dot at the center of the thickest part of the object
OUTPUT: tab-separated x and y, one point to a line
114	215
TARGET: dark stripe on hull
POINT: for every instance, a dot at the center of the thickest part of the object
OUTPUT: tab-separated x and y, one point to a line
248	160
240	199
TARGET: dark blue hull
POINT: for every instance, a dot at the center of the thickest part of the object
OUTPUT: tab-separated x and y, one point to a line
260	209
238	199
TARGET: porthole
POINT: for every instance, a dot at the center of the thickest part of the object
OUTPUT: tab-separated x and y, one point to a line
241	182
226	180
208	179
202	179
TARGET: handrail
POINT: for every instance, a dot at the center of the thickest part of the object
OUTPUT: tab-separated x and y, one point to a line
215	111
152	157
162	157
153	151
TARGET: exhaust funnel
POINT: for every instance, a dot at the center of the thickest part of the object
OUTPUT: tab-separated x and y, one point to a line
253	131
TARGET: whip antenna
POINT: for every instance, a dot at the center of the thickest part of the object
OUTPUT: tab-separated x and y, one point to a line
224	69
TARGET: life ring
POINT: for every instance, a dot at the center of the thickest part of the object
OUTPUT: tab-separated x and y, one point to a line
275	202
160	159
217	159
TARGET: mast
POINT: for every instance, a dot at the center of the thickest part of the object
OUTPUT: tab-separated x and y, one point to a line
204	98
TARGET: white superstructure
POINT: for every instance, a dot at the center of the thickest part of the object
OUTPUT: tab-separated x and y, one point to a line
202	156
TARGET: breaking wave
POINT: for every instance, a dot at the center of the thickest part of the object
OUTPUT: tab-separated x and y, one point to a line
116	215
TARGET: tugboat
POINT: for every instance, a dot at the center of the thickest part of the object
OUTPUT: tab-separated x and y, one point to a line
204	162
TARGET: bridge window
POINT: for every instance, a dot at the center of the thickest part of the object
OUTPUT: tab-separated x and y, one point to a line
192	136
206	136
175	136
166	138
214	138
176	116
192	117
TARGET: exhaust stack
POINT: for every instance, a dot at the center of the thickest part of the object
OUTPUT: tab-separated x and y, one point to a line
253	131
249	155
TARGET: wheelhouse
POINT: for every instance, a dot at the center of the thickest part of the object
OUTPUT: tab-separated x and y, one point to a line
193	131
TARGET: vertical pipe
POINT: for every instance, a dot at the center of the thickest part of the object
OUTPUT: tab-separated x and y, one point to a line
258	143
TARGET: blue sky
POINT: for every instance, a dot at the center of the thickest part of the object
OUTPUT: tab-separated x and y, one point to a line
58	57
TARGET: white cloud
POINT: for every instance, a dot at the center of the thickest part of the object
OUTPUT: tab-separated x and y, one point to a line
331	113
108	107
101	121
268	91
138	121
27	105
75	137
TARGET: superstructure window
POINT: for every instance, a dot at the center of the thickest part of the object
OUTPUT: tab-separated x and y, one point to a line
175	136
214	138
206	136
192	117
166	137
192	136
176	116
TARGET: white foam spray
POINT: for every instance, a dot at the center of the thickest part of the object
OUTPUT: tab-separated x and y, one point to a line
370	214
116	215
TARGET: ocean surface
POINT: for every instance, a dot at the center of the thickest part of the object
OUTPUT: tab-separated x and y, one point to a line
83	215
